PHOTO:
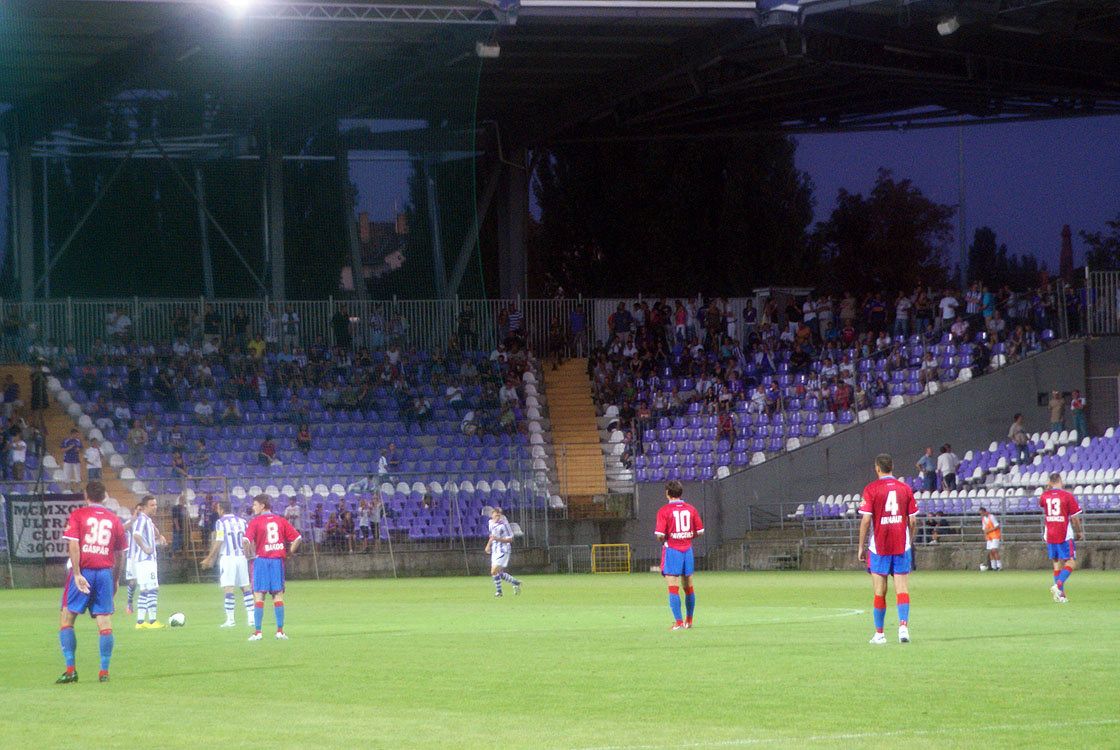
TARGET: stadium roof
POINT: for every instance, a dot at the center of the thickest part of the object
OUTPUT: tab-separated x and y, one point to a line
567	69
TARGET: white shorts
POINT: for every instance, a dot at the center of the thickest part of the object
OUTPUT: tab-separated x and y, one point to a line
234	572
992	544
147	575
72	473
129	570
499	560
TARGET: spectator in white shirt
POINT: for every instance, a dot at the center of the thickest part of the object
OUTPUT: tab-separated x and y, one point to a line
19	457
948	306
508	394
204	412
93	459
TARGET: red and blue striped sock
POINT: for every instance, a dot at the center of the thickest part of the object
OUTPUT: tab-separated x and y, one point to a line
675	602
689	602
903	609
106	644
879	612
258	615
1063	576
278	610
69	645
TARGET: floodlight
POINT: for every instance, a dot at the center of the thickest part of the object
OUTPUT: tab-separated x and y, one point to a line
487	51
238	8
948	25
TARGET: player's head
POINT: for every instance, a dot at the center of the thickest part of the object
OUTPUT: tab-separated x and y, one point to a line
884	464
674	490
225	506
496	514
1056	480
262	503
1018	416
147	505
95	492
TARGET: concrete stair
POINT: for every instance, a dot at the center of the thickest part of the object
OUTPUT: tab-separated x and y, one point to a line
58	424
575	433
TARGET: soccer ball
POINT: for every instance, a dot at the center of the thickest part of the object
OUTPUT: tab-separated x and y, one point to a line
177	620
983	567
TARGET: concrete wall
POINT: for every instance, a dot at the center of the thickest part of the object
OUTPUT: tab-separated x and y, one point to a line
1016	556
303	567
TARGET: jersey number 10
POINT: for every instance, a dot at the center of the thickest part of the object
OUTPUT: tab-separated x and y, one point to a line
682	519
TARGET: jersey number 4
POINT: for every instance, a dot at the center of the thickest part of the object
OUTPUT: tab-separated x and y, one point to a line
98	531
891	506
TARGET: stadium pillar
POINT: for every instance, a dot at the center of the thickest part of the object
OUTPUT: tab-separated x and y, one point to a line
513	221
357	269
274	219
204	237
438	263
23	221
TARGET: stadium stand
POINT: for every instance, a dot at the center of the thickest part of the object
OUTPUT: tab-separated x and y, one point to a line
440	429
683	398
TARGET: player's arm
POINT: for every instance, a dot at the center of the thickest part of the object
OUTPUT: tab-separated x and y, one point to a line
75	559
118	566
209	559
1076	520
140	543
864	525
295	545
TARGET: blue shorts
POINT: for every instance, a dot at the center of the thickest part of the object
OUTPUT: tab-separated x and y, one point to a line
268	574
676	563
886	565
99	600
1063	551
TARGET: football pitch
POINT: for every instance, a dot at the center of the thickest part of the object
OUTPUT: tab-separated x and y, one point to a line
775	660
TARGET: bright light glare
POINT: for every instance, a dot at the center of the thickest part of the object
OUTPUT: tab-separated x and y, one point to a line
238	8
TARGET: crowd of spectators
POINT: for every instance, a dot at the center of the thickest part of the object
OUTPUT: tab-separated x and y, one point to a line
212	372
837	353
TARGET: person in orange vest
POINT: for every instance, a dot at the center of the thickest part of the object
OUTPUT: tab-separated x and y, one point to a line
992	536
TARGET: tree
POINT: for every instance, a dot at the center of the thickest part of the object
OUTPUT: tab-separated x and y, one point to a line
1104	247
995	266
670	218
895	237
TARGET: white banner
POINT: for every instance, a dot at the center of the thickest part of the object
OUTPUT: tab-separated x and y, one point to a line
36	524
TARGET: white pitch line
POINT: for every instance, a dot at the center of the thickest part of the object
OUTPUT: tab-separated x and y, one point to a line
753	741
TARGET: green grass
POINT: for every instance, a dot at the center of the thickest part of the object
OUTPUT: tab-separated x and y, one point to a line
776	660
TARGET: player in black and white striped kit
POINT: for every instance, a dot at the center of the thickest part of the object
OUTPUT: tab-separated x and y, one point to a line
233	567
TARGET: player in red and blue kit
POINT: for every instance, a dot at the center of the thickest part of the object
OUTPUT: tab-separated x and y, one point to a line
889	510
269	534
97	542
678	523
1063	518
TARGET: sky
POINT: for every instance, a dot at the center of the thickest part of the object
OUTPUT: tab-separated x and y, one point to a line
1023	180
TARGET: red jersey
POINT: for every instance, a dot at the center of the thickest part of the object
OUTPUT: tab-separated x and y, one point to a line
100	533
890	503
1059	506
680	523
269	532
